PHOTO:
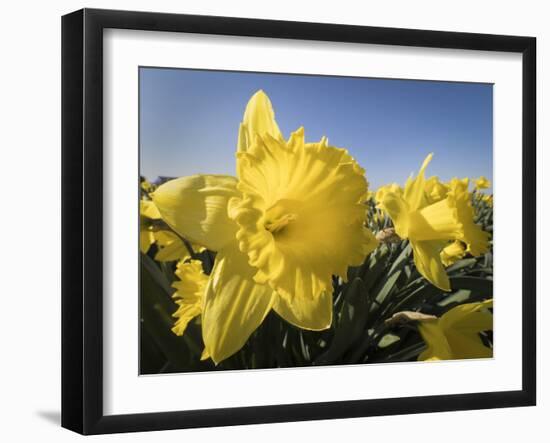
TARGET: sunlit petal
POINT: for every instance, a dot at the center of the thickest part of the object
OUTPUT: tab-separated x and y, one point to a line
189	295
235	305
258	120
452	252
196	208
428	263
312	314
414	192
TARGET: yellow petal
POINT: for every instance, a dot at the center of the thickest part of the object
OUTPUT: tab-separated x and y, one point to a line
166	238
196	208
438	221
382	191
428	262
146	239
148	209
476	239
172	252
468	346
205	355
464	338
171	247
235	305
306	313
462	183
453	252
438	346
414	193
435	190
189	295
469	317
259	119
398	210
456	334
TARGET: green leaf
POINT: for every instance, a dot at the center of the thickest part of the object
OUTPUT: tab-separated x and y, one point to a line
478	286
387	287
156	310
459	296
461	264
351	322
411	300
156	274
401	260
374	267
407	354
387	340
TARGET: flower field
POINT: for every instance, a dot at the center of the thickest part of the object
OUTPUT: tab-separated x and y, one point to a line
295	261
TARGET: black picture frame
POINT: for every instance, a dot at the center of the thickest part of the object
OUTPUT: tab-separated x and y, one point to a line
82	231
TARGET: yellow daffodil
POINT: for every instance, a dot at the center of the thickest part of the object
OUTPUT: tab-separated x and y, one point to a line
430	226
147	213
453	252
455	335
292	219
482	183
189	295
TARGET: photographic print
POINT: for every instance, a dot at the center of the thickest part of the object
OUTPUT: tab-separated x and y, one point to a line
291	220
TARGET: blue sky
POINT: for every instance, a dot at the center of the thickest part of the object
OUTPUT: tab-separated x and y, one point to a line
189	121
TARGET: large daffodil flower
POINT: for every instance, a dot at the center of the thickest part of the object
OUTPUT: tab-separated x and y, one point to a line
455	335
482	183
430	226
292	218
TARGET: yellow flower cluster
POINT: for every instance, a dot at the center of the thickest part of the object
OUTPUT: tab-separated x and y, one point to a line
437	219
294	216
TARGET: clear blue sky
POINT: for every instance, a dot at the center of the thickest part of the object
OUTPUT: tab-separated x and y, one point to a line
189	121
